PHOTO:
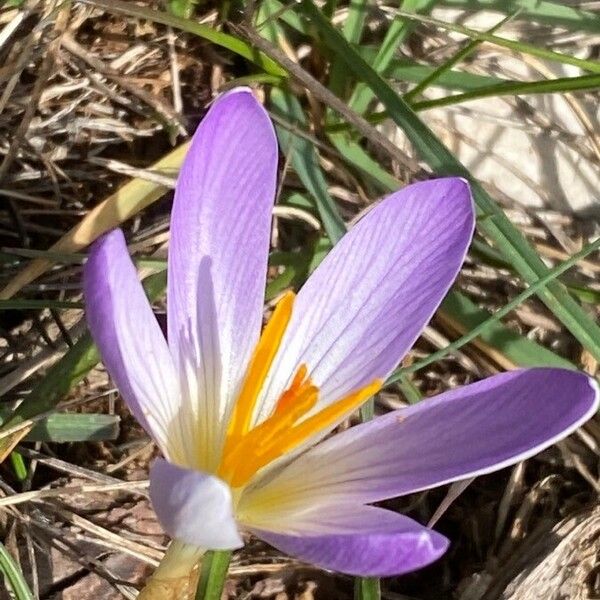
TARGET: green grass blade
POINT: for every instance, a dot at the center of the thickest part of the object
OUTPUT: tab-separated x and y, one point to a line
395	35
367	588
270	10
219	38
407	70
517	88
542	11
502	312
353	26
582	83
182	8
362	95
352	30
539	51
18	465
69	370
357	156
297	267
492	221
26	304
585	294
518	349
69	258
213	574
460	56
305	161
13	576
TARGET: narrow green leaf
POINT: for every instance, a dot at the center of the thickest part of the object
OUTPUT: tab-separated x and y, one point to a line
352	29
75	427
367	588
357	156
18	465
492	257
26	304
297	265
517	88
585	294
13	576
394	37
492	220
460	56
69	370
305	161
409	389
407	70
582	83
522	47
182	8
517	348
71	258
500	313
271	10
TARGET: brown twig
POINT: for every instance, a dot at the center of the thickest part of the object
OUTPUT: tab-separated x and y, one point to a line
324	95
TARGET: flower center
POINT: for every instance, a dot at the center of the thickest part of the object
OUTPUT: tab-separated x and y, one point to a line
248	449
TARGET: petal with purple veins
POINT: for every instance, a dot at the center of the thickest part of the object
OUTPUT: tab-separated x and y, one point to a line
220	231
367	302
468	431
359	540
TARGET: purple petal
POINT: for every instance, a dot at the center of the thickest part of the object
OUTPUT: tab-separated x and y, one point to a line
462	433
220	228
131	343
364	540
365	305
193	507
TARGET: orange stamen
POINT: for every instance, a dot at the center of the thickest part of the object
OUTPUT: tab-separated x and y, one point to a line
246	449
279	435
297	386
248	456
326	417
259	366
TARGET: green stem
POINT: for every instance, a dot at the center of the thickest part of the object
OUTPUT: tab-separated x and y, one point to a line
367	588
215	566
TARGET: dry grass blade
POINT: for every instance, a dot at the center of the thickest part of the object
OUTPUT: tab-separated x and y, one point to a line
37	495
128	201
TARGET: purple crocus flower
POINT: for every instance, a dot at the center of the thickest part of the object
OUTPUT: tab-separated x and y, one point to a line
241	417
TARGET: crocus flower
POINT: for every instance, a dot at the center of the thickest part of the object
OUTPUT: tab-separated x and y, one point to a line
242	418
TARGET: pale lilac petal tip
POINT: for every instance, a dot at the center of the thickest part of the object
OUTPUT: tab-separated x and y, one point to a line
396	545
221	217
193	507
